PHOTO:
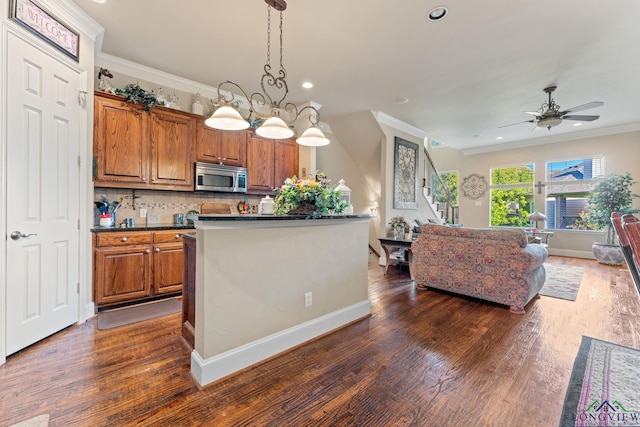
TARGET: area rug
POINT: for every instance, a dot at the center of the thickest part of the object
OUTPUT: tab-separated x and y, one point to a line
39	421
604	386
563	281
137	313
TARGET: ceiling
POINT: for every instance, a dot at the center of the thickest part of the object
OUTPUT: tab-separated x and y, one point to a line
481	67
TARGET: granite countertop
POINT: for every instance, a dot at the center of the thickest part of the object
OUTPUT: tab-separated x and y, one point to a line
252	217
98	229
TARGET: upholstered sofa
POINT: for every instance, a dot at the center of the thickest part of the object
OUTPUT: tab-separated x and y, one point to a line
489	264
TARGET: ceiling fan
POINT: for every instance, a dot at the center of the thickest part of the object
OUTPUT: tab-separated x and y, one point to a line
549	114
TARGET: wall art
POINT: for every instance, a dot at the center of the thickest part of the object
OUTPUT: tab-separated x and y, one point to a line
405	174
35	18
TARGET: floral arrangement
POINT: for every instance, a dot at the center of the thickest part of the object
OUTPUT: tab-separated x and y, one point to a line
399	221
135	94
311	196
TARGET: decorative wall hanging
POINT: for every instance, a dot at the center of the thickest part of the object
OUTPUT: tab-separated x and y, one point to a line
33	17
405	174
474	186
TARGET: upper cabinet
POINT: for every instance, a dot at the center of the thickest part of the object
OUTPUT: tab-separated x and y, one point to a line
217	146
120	143
269	163
171	152
134	148
259	165
156	149
286	160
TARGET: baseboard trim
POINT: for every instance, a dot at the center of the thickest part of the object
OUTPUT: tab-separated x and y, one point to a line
239	358
571	253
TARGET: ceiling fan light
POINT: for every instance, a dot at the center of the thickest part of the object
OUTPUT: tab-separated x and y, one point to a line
275	128
313	137
226	118
549	122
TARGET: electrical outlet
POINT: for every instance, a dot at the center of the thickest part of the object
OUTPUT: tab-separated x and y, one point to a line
308	299
143	212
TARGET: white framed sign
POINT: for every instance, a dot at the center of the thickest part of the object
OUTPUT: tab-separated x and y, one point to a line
37	19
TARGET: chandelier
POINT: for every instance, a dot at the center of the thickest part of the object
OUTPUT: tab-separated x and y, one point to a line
226	117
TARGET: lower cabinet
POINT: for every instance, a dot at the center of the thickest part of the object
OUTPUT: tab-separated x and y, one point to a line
129	266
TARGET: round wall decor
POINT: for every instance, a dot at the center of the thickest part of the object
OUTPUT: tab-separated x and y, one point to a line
474	186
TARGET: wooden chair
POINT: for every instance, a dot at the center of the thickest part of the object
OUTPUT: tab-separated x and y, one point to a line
215	208
628	229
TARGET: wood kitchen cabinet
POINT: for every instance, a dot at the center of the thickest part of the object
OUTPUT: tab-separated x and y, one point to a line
120	143
269	163
215	146
134	148
131	266
286	160
171	150
167	262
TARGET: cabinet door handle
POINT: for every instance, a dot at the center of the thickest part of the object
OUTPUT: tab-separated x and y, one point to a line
157	249
124	239
148	251
177	236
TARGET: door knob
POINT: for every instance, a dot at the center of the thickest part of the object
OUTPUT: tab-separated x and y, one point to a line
16	235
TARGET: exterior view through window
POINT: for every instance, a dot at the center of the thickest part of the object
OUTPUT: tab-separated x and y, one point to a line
512	195
568	184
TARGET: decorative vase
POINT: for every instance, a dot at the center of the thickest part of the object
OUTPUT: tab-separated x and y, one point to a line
608	254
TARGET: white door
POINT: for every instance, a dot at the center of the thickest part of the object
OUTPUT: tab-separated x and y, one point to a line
42	207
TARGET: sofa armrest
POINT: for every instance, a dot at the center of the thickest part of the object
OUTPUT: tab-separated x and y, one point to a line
534	256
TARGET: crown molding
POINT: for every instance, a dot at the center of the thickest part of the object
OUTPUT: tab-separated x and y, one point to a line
390	121
565	137
149	74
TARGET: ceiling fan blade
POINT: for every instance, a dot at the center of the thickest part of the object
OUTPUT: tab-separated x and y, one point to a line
519	123
587	106
581	118
533	113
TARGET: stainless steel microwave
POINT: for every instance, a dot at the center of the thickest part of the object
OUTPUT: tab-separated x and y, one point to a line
223	178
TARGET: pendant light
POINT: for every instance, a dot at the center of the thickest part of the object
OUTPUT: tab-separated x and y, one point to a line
226	117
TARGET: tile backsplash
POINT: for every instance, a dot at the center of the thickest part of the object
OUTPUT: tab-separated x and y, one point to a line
162	205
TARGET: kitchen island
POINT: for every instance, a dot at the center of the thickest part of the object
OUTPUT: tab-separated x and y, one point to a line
265	284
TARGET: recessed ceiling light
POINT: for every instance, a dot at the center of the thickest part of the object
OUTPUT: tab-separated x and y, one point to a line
500	137
99	1
401	101
307	85
577	124
437	13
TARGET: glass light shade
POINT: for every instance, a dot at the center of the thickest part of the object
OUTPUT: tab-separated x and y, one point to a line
549	122
275	128
313	137
226	118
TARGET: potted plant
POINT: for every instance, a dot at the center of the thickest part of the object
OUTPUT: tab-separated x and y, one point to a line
612	194
308	197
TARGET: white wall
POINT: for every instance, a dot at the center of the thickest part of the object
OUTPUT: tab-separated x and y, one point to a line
621	153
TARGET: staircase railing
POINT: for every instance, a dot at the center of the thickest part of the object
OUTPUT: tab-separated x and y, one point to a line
449	211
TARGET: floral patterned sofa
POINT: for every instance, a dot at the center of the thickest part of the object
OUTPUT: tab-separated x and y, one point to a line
489	264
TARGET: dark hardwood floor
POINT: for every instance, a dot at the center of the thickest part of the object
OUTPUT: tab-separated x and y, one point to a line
424	358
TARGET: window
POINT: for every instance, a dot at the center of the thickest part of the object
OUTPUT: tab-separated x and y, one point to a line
511	195
568	184
450	180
